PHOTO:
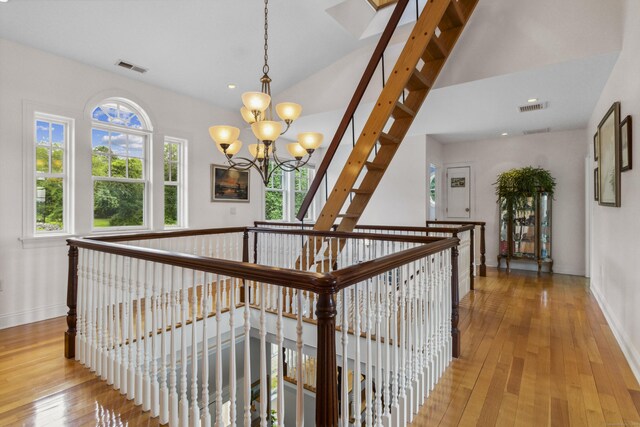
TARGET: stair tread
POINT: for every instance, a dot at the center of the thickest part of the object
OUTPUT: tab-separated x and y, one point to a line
401	111
455	14
348	215
435	50
418	81
386	139
361	191
372	166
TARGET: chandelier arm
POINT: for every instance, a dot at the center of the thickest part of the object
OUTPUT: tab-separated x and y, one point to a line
288	123
246	165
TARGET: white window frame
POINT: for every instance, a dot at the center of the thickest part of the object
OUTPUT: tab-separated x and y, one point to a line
181	183
31	115
147	134
288	197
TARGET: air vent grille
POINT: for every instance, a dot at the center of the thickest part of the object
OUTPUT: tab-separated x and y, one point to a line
132	67
534	131
532	107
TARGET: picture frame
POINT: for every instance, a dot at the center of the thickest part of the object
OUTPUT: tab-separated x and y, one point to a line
609	158
596	184
625	144
229	185
596	146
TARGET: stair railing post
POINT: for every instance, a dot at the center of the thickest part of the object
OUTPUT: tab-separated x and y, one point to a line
455	332
483	266
72	293
472	261
326	369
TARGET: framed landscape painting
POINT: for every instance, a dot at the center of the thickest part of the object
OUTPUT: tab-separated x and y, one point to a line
609	158
229	185
625	144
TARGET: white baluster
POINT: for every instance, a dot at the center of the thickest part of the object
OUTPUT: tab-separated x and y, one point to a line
379	308
126	342
91	288
219	379
183	409
111	304
173	393
195	409
81	307
357	382
155	324
118	316
232	353
131	374
165	297
205	416
369	373
395	403
280	341
247	356
298	369
264	392
99	312
140	344
345	358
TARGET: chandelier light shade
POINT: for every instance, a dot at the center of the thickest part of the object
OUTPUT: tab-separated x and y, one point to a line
257	111
288	111
310	140
248	115
267	130
296	150
224	135
256	101
258	151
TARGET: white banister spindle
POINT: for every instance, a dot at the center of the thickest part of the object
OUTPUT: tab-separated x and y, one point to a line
183	409
395	394
387	336
165	298
357	384
247	355
298	369
195	409
205	416
280	342
81	306
232	353
148	333
111	312
345	358
131	373
173	376
90	345
118	316
99	312
263	359
141	265
379	310
156	290
219	379
126	306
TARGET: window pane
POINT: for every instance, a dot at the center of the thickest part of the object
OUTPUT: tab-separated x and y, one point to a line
135	168
100	141
273	205
118	143
57	134
167	171
299	199
42	159
100	165
49	204
42	132
275	181
136	146
118	167
170	205
174	172
57	157
117	204
100	115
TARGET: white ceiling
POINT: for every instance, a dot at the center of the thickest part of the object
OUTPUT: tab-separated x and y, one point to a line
195	47
561	52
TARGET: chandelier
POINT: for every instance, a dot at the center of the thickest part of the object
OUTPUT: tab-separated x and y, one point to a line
258	113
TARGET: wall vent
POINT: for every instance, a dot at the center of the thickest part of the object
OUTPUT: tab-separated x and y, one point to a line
534	131
533	107
132	67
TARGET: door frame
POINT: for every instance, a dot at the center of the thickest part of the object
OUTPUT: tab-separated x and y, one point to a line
472	190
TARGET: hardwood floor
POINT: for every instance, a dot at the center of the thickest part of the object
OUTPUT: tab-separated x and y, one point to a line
536	351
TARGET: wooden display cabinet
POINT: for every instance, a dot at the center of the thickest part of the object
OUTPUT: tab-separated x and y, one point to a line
525	232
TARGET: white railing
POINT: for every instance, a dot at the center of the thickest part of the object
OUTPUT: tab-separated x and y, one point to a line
157	322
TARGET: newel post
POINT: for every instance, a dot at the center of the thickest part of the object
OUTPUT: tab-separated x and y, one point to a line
326	369
455	332
472	255
483	266
72	293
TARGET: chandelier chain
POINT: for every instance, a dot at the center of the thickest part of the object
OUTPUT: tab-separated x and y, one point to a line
265	68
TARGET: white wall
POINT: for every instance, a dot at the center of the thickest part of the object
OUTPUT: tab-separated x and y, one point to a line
614	231
562	153
33	281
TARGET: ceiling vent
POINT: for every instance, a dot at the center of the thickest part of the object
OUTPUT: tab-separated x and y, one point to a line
132	67
533	107
534	131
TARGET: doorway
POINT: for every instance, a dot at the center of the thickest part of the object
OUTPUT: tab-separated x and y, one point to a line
459	192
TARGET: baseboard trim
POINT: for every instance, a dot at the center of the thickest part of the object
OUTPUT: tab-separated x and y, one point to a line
630	353
32	315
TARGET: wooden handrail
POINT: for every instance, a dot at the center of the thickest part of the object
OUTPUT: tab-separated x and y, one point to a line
274	225
483	246
394	20
165	234
348	235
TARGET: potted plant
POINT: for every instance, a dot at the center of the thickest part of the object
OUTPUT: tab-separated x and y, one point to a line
515	186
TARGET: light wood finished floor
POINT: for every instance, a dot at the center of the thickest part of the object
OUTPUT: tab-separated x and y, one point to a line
536	351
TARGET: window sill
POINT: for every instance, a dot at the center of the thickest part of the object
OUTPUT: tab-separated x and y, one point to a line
45	241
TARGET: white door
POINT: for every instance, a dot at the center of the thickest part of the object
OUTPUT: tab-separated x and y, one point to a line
459	192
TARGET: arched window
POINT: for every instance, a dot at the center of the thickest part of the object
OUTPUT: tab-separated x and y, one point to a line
120	139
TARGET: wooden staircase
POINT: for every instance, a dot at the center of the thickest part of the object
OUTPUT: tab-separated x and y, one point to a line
425	53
